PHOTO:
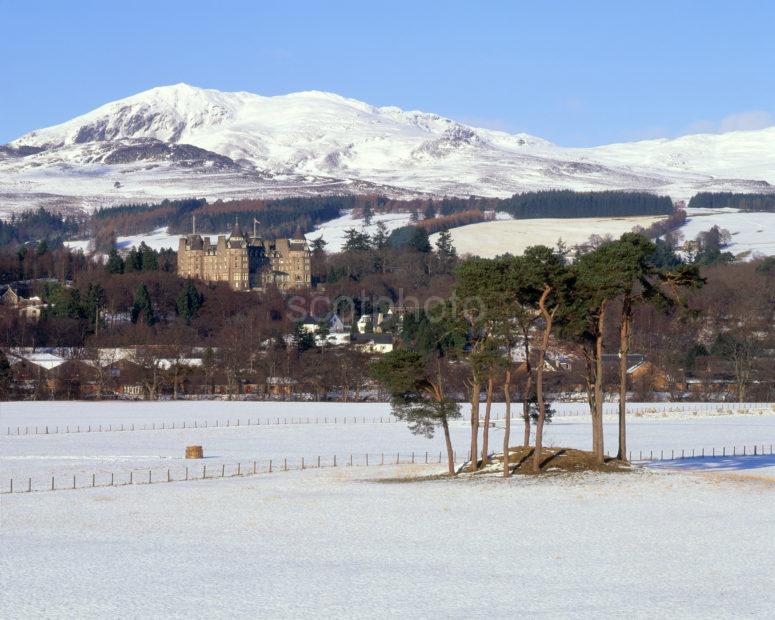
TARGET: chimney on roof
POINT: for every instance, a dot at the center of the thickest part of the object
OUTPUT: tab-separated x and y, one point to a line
193	224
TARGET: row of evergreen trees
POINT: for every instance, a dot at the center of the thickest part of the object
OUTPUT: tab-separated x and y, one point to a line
729	200
141	258
569	204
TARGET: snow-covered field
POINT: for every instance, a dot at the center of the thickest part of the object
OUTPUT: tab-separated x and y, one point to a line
489	239
333	231
333	429
338	543
682	539
751	232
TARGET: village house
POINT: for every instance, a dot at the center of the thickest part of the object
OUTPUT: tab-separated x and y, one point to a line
28	307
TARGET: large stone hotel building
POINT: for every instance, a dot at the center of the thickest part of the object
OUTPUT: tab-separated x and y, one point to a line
246	262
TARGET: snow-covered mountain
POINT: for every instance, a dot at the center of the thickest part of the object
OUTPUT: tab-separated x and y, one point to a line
181	141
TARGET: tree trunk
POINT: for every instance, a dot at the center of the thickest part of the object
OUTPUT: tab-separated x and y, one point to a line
448	443
486	430
526	393
549	319
475	389
507	429
597	418
624	349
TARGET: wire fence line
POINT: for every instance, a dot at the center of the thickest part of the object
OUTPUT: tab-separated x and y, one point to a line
155	475
647	411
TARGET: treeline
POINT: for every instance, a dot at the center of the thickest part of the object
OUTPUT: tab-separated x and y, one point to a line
278	218
445	222
569	204
36	226
729	200
659	229
132	219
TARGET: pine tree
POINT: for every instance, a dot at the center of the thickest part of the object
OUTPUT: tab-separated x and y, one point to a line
115	263
189	301
142	308
446	254
95	302
134	261
302	339
355	241
379	239
148	258
367	214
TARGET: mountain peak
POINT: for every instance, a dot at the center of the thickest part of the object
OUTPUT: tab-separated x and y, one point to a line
181	131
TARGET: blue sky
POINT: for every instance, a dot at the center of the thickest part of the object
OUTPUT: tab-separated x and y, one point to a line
577	73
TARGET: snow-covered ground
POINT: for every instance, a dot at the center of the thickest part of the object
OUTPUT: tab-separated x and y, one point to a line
158	239
687	538
489	239
367	431
333	230
339	543
181	141
751	232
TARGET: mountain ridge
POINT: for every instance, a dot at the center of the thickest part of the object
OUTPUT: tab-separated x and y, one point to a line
178	140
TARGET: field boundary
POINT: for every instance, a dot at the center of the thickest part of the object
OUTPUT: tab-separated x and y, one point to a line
648	412
253	467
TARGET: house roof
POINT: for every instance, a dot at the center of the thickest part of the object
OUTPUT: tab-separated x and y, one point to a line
372	338
48	361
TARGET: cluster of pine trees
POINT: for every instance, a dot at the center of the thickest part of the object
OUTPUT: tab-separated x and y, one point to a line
729	200
37	226
530	302
569	204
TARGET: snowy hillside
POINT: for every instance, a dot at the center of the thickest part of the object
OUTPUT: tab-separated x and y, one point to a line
180	140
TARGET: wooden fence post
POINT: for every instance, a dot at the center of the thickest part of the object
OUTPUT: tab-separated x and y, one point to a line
149	476
29	485
73	480
93	480
204	472
254	468
52	483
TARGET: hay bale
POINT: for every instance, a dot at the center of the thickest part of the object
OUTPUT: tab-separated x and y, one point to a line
194	452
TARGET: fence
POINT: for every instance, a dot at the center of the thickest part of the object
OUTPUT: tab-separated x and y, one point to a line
722	452
268	466
28	484
646	411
